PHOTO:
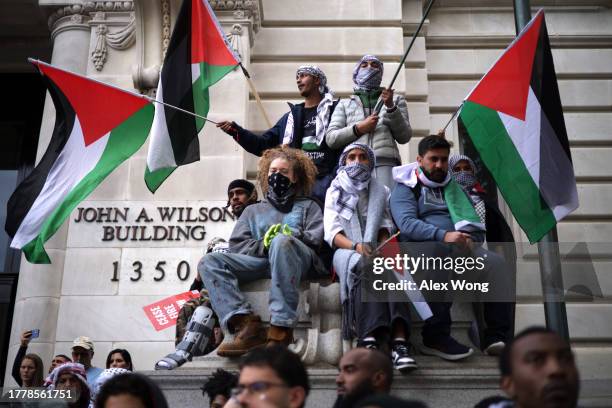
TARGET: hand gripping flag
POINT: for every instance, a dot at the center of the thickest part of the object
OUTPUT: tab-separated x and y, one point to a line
198	56
97	127
514	118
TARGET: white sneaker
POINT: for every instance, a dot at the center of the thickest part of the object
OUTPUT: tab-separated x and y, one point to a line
495	349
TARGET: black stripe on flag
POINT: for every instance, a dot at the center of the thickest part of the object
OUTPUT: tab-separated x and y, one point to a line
25	194
178	91
544	85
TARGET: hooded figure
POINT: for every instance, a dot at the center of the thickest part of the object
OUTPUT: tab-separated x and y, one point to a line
71	377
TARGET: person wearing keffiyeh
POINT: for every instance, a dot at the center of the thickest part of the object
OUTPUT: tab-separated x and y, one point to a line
72	377
303	127
354	119
428	205
356	216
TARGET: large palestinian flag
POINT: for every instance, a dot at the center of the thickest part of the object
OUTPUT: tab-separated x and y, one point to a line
514	118
198	56
97	127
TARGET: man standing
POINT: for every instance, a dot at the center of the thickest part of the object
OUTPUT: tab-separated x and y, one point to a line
427	207
82	352
277	239
303	127
354	119
357	216
538	370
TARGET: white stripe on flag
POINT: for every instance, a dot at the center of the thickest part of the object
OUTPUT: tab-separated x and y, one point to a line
526	135
195	72
160	154
74	162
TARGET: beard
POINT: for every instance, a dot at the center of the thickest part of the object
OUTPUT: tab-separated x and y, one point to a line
362	390
435	175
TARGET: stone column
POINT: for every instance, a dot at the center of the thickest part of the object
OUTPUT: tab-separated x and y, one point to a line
39	287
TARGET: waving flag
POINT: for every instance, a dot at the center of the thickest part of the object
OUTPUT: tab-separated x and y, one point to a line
514	118
97	127
198	56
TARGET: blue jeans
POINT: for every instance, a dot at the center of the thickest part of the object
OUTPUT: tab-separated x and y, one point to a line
288	262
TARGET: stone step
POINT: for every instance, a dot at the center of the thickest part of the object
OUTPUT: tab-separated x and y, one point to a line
437	382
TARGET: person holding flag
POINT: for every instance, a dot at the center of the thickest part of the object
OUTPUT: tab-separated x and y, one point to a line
303	127
428	205
356	214
356	119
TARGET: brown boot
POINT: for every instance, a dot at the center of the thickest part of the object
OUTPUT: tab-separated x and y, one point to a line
249	334
278	335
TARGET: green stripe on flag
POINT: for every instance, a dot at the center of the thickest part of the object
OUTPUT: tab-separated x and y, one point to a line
460	207
498	152
122	143
209	75
155	179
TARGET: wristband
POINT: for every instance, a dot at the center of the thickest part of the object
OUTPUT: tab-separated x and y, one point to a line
355	131
354	246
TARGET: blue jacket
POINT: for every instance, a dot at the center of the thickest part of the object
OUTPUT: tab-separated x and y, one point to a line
423	219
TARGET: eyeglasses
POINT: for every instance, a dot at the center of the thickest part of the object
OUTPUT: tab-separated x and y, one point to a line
254	388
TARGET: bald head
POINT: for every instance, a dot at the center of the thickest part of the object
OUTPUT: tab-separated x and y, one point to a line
367	368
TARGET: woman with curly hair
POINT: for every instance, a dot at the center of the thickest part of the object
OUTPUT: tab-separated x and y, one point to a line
277	239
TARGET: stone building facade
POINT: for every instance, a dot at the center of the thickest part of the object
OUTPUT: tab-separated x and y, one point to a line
88	291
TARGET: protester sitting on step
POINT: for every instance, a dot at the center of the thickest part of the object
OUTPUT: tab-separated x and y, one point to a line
218	387
463	171
361	373
427	206
272	377
303	127
277	239
191	339
354	119
356	217
538	370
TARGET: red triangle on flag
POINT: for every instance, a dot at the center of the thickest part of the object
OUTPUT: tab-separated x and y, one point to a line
207	38
506	86
100	108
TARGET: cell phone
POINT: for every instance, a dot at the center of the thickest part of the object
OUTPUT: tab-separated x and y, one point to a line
35	333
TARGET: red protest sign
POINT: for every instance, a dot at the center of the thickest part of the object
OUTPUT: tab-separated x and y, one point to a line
163	314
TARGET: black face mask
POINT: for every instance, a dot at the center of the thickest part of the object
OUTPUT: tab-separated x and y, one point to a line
279	183
281	192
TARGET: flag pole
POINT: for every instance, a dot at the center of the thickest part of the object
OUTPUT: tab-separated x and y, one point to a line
451	118
256	94
548	246
379	104
150	99
146	97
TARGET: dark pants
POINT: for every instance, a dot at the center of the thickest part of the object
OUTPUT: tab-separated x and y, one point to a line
373	316
497	315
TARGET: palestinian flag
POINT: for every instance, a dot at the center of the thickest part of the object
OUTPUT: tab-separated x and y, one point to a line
514	118
198	56
97	127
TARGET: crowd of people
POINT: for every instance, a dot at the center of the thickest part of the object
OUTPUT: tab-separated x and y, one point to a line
333	186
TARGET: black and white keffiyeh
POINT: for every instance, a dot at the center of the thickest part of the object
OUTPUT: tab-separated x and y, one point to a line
367	79
323	109
350	180
467	180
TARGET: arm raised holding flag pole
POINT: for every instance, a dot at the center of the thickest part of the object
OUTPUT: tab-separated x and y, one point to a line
380	102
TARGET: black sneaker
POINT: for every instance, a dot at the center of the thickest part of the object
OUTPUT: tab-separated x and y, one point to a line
448	349
368	343
400	355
